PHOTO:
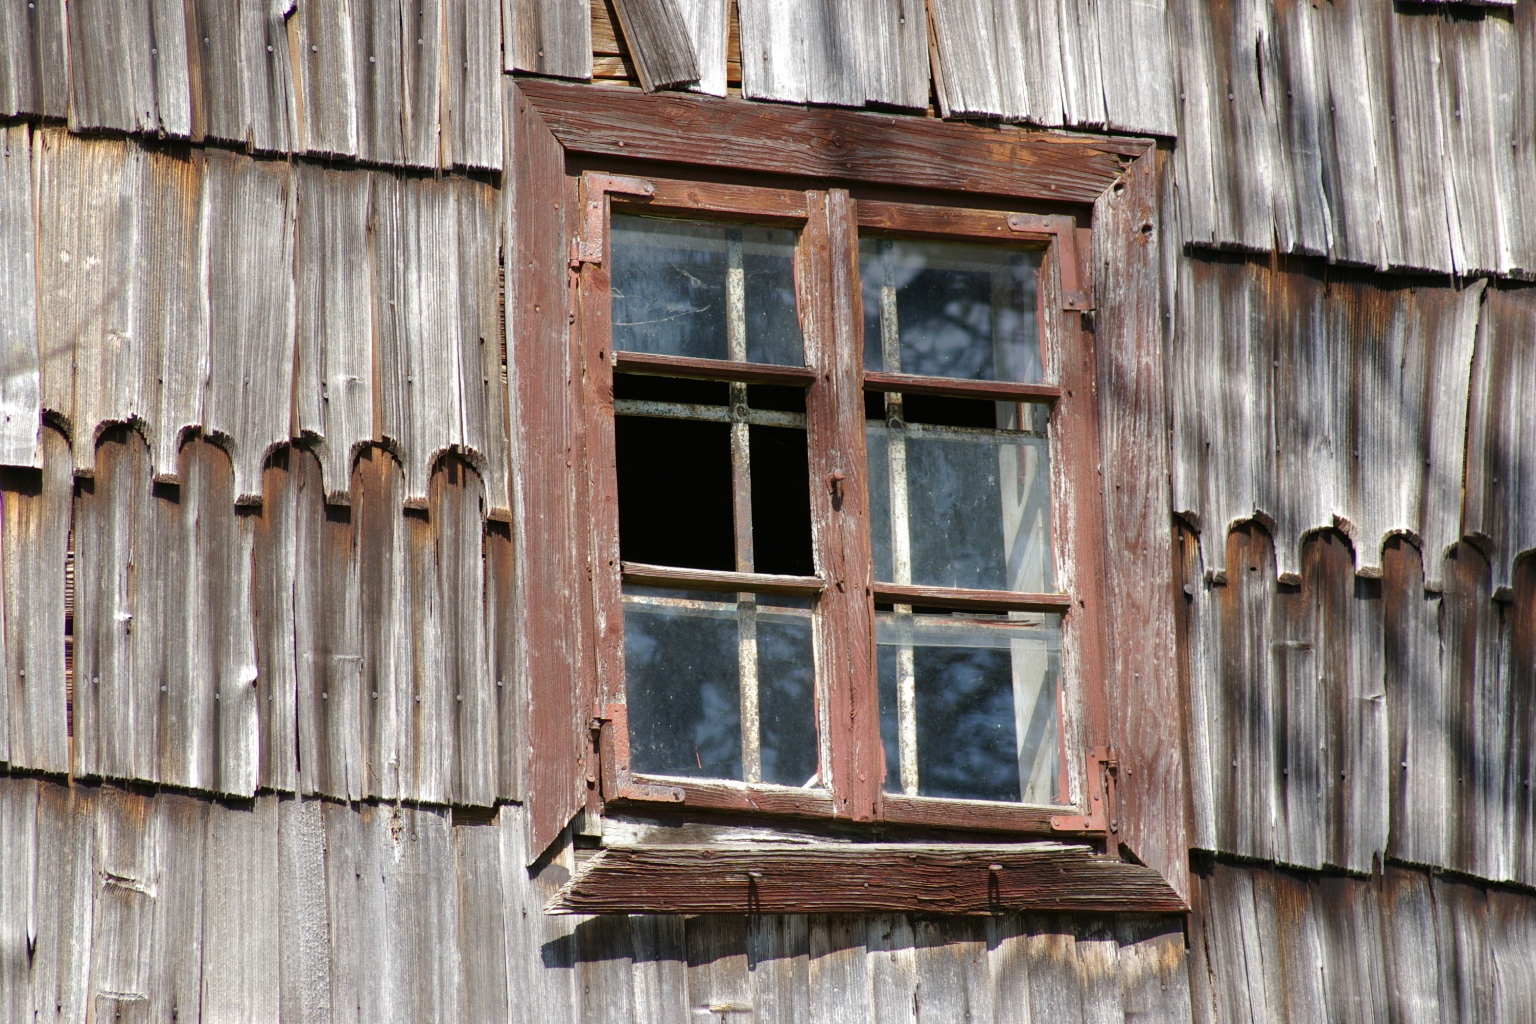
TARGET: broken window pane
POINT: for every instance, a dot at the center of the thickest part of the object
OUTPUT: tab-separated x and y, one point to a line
720	685
950	309
707	291
962	507
969	705
674	480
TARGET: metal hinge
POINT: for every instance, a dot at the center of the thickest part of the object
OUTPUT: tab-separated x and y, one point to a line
1102	769
1076	290
597	187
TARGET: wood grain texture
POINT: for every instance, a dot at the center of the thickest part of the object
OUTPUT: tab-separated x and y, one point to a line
1134	459
471	122
1136	67
801	51
384	700
421	53
128	67
547	37
659	42
377	40
34	538
303	924
20	373
252	311
241	921
861	877
334	385
325	78
545	419
709	24
34	74
830	144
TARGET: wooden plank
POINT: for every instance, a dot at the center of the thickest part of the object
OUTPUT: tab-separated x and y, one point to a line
1511	936
709	579
1050	959
661	365
1137	67
1007	941
547	37
1082	93
278	595
787	140
603	958
176	975
964	47
1350	928
998	390
801	51
1153	971
65	899
421	56
659	972
1410	947
303	926
718	979
129	848
540	947
118	524
778	964
241	920
34	75
482	921
472	129
379	541
325	79
458	532
1478	113
1469	985
19	885
894	43
837	973
1501	431
34	538
511	700
658	40
268	106
128	68
953	982
1420	721
251	310
1522	137
1418	236
485	440
333	389
544	417
348	905
20	373
1137	519
1358	147
377	41
423	975
1520	652
871	877
709	24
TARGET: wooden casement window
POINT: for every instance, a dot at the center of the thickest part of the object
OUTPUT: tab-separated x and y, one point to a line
835	471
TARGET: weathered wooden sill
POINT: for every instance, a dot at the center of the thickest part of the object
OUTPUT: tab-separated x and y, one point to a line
861	877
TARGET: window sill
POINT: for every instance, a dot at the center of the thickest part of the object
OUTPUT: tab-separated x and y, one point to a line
823	878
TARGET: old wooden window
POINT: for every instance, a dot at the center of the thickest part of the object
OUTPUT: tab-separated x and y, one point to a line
842	496
728	448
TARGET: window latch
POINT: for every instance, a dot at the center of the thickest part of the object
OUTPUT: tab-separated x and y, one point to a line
1075	293
597	187
1102	769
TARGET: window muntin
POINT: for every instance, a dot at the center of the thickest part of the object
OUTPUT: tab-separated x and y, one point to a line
705	290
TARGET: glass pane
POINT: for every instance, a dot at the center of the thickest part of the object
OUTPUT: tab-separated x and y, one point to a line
951	507
676	284
977	699
699	666
659	459
950	309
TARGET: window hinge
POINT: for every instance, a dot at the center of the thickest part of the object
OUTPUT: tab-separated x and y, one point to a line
1076	293
597	186
1102	769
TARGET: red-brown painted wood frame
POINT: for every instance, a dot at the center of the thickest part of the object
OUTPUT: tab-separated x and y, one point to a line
558	384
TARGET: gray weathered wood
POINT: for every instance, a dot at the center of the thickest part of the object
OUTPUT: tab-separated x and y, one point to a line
966	74
128	67
708	23
384	622
421	56
660	970
34	539
251	207
64	901
34	73
542	983
1411	947
1356	147
304	934
458	542
895	47
482	922
891	961
377	39
1153	971
1410	82
501	660
129	850
20	376
485	439
333	390
426	733
18	893
838	973
1297	102
802	51
1478	113
548	37
1082	91
326	78
1136	65
604	955
656	33
953	980
718	978
779	967
472	123
176	972
241	919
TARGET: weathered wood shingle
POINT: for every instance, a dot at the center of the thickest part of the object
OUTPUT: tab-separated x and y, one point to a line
20	378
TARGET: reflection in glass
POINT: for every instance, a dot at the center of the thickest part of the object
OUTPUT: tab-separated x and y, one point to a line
957	507
950	309
720	686
969	705
707	291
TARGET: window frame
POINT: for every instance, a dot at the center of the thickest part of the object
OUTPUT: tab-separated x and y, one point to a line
853	162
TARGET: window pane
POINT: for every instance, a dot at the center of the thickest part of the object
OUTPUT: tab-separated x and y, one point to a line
950	309
675	284
700	666
951	507
977	699
674	479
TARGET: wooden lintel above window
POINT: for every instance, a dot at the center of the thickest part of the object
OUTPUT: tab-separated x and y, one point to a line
827	878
